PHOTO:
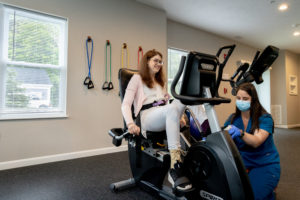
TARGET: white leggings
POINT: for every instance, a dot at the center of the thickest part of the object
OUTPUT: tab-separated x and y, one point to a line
164	118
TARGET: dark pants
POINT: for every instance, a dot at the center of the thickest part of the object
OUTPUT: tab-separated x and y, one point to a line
264	180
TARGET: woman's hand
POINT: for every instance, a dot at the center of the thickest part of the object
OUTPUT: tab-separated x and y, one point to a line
167	97
133	129
182	122
234	131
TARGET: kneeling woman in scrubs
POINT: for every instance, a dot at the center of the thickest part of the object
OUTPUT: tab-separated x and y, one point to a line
251	128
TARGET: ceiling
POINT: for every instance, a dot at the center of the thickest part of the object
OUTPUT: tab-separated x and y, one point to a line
257	23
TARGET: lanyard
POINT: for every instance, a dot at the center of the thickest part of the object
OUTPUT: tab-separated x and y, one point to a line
125	48
140	51
88	80
107	85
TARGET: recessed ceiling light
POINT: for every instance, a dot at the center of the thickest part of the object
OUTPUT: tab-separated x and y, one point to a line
283	7
296	33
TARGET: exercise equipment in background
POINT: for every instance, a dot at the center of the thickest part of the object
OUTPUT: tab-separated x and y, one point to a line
261	63
125	50
140	52
107	85
88	80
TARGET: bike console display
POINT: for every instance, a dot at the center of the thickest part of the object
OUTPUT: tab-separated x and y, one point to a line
199	71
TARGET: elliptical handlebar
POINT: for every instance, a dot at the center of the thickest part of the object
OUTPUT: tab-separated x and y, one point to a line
260	64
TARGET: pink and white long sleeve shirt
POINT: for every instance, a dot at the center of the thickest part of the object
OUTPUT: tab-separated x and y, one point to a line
135	95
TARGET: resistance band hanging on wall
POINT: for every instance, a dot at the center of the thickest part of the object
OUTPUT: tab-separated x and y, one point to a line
107	85
140	51
88	80
125	49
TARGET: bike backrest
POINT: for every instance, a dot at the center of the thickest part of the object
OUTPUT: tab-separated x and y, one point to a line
124	77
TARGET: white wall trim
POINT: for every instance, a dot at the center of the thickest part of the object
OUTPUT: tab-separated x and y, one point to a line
59	157
287	126
280	126
293	125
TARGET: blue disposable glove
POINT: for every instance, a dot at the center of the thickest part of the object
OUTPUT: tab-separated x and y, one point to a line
234	131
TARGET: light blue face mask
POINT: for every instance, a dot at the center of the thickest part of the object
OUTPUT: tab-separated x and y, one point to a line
243	105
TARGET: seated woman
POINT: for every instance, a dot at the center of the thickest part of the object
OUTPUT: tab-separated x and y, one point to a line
252	131
147	92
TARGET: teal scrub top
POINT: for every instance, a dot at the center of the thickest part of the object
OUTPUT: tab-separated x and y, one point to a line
263	155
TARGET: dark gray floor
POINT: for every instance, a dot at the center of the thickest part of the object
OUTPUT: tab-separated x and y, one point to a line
79	179
89	178
288	145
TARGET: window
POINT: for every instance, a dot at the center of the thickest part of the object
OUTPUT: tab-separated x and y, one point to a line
264	91
33	62
174	58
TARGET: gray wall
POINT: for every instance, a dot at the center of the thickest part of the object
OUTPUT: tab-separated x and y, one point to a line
278	85
292	68
91	113
287	64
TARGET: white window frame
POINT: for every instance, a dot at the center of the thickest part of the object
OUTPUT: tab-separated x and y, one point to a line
170	80
4	61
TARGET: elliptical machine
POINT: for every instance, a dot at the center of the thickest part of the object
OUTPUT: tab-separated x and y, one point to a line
213	165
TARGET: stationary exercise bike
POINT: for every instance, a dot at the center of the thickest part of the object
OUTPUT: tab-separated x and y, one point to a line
213	165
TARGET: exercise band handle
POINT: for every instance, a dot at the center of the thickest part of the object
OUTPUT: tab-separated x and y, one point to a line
107	85
90	85
110	86
189	100
86	80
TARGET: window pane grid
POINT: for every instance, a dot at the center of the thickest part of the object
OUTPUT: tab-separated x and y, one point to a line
31	89
32	40
33	66
21	63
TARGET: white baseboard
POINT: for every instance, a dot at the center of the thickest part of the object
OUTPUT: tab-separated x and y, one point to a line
287	126
280	126
59	157
293	125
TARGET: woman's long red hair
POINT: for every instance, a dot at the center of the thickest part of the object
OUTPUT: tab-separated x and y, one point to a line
145	73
